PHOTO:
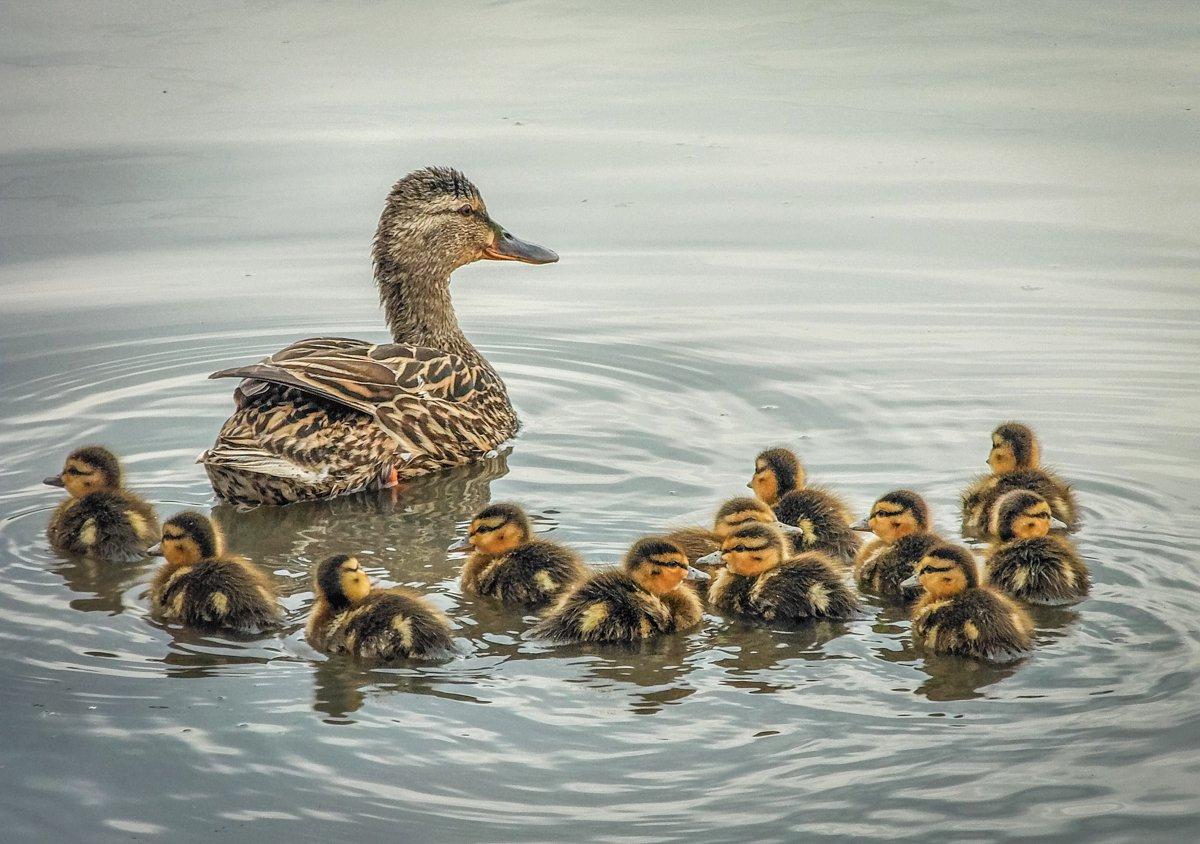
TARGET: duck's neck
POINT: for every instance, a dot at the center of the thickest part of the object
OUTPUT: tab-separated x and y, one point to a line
416	301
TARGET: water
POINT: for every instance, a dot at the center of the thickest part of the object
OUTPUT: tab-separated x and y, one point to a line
867	232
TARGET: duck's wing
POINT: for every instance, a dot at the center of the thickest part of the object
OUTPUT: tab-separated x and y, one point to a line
363	375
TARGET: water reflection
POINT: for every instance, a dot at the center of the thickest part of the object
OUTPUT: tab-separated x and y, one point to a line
104	583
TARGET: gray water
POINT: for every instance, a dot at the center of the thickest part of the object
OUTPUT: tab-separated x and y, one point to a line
867	231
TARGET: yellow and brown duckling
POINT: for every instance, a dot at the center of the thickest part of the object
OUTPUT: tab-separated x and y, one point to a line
101	519
1015	461
645	597
1027	561
822	518
697	542
957	615
762	580
509	563
902	526
201	586
351	617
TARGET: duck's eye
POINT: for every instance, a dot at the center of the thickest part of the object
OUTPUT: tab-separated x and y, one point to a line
466	210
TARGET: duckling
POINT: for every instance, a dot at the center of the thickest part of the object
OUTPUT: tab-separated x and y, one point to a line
643	598
761	582
957	615
201	586
697	542
822	517
1028	562
351	617
901	522
509	563
1015	460
101	519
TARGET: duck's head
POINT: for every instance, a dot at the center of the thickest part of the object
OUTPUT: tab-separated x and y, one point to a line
743	511
1020	514
341	581
435	221
497	529
1014	446
188	538
753	549
944	572
658	565
86	470
896	515
777	471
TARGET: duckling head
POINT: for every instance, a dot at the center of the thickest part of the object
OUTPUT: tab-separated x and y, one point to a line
896	515
435	221
497	529
87	470
777	471
753	549
1014	446
658	565
741	511
341	581
188	538
944	572
1020	514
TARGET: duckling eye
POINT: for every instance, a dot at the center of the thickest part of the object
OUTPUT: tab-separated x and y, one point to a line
466	210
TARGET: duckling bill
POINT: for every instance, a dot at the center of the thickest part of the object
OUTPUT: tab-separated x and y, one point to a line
100	519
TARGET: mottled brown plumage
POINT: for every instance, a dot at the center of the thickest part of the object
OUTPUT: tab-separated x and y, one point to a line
1027	561
101	519
902	522
820	515
330	416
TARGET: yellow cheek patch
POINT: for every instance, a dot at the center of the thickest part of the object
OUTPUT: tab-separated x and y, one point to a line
593	616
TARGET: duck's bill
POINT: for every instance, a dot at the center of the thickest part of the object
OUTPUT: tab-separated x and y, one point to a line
1055	522
505	247
861	525
154	550
694	573
713	559
54	480
464	545
910	583
789	530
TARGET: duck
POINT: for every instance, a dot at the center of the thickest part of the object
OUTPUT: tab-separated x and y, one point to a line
643	598
698	542
763	581
1015	461
507	562
822	517
901	522
1027	561
100	519
351	616
201	586
330	416
958	615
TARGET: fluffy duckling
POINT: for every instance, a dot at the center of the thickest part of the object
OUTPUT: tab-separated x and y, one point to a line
1015	460
351	617
901	523
957	615
697	542
1028	562
509	563
101	519
643	598
760	581
823	518
201	586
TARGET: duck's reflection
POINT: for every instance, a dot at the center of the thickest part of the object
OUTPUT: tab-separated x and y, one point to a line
341	686
102	583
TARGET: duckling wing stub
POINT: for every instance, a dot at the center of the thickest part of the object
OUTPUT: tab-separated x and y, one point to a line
362	375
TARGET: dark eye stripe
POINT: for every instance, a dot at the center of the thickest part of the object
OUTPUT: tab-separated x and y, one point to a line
929	569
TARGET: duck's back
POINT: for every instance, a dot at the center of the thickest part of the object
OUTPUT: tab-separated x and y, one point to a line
222	592
390	624
533	574
805	587
978	622
882	569
821	517
115	526
1041	570
608	607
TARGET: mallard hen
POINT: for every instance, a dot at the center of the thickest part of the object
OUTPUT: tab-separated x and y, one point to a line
332	415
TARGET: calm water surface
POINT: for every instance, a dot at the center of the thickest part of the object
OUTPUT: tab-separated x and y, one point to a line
866	232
